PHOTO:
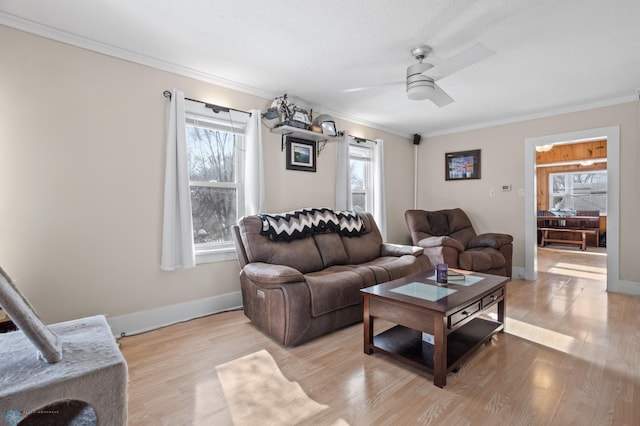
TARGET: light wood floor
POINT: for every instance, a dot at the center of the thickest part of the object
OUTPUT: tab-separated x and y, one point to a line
570	356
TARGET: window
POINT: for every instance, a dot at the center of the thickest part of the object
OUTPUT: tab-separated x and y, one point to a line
215	163
578	191
360	167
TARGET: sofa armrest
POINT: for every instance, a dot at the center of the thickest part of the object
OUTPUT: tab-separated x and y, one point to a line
494	240
266	273
440	242
398	250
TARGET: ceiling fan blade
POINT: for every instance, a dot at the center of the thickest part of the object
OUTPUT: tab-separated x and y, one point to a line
462	60
373	86
440	97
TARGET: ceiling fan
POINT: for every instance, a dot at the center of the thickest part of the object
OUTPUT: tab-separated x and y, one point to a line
421	77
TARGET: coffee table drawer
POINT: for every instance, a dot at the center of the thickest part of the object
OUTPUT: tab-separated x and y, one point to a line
492	298
464	313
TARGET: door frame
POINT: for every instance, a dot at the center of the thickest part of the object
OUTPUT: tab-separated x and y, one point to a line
612	135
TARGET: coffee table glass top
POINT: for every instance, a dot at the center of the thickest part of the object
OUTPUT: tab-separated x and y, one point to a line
468	279
424	291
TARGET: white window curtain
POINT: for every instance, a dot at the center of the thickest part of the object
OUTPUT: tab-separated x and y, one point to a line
343	175
379	199
254	166
177	239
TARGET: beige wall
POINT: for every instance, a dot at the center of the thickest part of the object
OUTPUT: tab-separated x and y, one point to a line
503	163
81	173
81	176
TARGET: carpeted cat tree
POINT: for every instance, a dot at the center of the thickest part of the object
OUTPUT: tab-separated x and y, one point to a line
77	364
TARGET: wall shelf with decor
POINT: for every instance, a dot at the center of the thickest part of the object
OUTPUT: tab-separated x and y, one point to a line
296	132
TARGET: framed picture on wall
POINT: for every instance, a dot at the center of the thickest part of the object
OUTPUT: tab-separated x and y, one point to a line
462	165
301	155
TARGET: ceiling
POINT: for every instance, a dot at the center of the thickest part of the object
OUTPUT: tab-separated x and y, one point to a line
551	56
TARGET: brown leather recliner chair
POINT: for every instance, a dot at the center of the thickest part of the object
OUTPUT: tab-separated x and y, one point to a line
447	236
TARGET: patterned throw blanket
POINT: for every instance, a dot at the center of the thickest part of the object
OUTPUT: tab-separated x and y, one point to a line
300	223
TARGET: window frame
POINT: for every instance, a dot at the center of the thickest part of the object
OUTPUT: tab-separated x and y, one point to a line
569	188
366	147
198	115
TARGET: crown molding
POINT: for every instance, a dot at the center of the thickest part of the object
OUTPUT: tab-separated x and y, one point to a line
527	117
46	31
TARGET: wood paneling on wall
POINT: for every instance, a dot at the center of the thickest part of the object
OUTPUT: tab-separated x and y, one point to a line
573	152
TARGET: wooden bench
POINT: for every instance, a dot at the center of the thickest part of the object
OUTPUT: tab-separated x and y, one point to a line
582	242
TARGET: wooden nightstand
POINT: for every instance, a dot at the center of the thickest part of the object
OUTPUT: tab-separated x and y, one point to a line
5	323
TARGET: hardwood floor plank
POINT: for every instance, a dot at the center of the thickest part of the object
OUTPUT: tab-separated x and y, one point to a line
570	354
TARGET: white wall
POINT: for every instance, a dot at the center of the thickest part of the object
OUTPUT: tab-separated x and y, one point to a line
503	163
81	175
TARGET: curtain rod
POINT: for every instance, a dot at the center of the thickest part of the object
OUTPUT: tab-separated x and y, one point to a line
361	140
215	108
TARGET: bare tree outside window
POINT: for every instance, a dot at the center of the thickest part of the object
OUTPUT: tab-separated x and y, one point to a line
213	182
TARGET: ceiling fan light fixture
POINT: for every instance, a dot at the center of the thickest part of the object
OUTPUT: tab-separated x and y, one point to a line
420	90
419	86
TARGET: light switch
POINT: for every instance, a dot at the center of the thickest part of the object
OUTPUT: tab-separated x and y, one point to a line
492	193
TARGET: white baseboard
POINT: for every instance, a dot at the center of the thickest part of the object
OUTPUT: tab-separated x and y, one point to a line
140	322
518	272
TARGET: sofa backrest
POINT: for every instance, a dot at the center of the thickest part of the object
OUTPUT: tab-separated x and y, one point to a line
368	245
451	222
460	226
301	254
308	254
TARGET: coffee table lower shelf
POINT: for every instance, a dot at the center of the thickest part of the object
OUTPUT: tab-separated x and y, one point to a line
406	344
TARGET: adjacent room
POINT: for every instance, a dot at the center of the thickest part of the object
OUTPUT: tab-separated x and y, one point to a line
319	212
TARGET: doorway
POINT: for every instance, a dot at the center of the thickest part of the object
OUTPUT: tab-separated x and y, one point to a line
571	181
612	136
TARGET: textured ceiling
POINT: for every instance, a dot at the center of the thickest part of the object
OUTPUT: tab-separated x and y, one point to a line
551	56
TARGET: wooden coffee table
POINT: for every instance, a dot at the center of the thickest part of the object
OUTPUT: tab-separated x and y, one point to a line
451	314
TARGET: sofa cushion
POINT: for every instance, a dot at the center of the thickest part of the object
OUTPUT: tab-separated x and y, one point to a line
394	267
367	274
439	223
491	239
365	247
331	291
267	273
331	249
301	254
481	259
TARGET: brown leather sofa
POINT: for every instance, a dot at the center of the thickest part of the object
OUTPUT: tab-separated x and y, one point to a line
447	236
297	290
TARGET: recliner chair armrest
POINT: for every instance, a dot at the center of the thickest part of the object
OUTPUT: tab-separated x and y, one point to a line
266	273
441	241
398	250
492	239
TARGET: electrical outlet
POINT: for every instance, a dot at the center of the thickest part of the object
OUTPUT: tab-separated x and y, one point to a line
492	193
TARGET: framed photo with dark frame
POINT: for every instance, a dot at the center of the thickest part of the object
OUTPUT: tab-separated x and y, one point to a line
462	165
301	155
